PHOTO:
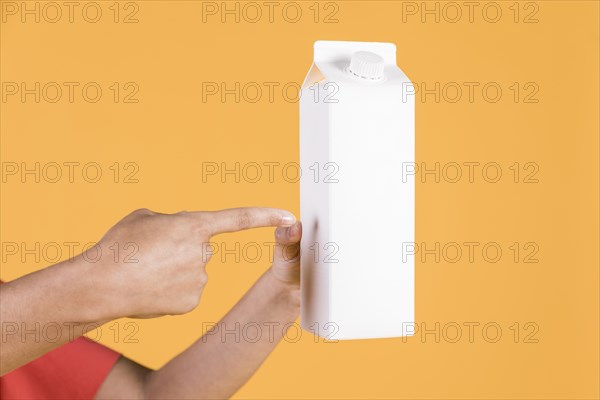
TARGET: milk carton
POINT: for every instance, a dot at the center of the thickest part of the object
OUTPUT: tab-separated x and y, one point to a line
357	121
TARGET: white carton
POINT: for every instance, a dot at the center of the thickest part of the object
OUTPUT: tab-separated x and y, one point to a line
356	136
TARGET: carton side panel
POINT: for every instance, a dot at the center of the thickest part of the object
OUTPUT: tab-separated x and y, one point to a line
314	212
372	285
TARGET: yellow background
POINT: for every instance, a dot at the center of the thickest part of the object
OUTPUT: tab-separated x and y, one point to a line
170	132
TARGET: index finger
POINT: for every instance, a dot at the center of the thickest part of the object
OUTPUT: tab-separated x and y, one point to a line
237	219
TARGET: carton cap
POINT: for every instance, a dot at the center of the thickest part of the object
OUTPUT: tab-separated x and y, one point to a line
367	65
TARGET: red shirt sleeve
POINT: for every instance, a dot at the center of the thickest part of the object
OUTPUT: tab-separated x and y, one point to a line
73	371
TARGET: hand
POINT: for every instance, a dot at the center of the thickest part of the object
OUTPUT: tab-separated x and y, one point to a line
218	364
152	264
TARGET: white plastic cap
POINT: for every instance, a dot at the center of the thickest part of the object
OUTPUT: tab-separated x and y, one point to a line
367	65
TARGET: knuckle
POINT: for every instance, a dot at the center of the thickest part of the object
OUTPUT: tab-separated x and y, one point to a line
291	252
142	211
190	303
187	307
243	220
206	256
203	278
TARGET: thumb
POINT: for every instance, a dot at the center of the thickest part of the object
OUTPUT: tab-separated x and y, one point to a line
286	257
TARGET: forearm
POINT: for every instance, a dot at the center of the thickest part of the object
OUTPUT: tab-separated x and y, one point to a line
45	309
218	364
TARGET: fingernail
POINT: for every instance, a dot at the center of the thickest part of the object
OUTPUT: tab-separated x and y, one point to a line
288	220
294	229
279	231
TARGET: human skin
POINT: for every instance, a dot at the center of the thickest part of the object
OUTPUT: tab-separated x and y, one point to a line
81	294
216	365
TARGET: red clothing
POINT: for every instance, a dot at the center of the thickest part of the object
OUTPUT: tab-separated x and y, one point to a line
73	371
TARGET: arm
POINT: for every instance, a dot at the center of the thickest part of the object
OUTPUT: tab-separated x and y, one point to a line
49	299
79	293
216	366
